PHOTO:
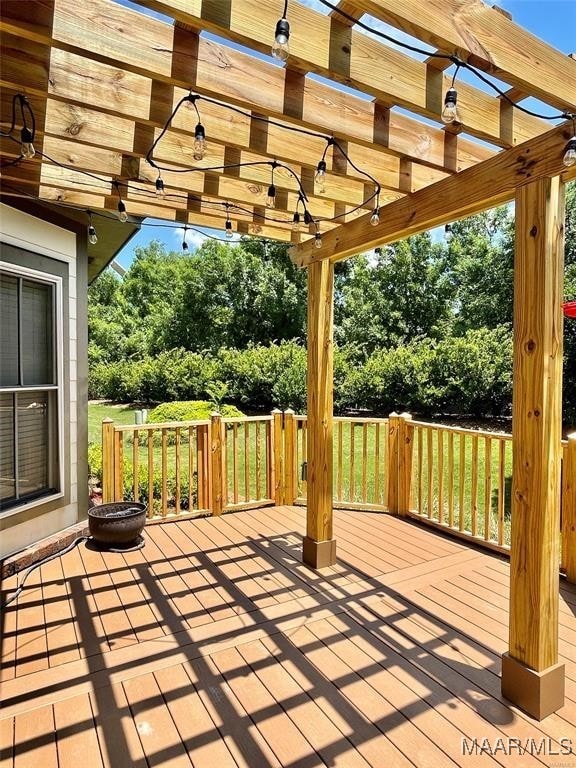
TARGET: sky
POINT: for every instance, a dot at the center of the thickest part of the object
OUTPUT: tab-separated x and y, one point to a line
552	20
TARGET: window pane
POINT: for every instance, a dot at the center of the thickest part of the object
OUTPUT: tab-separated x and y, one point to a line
7	481
9	335
37	336
33	429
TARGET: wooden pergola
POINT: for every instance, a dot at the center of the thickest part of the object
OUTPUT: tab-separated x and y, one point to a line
103	80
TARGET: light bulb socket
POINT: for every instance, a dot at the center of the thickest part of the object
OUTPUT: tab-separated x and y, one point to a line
26	135
92	236
159	186
282	29
571	145
451	96
121	207
318	240
321	167
308	217
271	191
228	224
199	132
296	218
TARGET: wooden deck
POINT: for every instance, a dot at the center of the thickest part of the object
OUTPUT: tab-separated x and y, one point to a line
214	646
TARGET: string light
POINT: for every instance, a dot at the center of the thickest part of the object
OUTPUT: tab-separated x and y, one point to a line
122	214
569	158
448	233
375	218
160	191
317	237
280	46
92	236
320	177
27	150
296	222
184	243
199	142
450	111
229	233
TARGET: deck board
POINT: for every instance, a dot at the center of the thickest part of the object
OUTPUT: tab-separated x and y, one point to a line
215	646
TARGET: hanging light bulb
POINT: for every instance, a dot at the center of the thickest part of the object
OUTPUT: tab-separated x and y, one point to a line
308	218
229	233
318	240
280	47
448	234
27	150
199	142
450	112
271	199
320	177
296	222
122	215
375	218
569	158
92	236
160	191
184	243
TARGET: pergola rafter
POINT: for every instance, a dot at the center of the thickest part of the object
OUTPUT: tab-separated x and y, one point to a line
103	80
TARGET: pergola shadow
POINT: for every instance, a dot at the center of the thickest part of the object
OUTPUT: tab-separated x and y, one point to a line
357	650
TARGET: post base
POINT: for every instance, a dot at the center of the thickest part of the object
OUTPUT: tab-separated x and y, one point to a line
537	693
318	554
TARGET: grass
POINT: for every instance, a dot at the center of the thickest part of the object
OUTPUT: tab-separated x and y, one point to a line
465	491
98	411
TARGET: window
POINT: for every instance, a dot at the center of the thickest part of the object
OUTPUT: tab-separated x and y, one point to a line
29	394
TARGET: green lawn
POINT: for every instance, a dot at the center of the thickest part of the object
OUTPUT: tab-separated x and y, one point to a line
121	414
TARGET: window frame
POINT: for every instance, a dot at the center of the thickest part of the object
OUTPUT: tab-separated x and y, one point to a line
56	282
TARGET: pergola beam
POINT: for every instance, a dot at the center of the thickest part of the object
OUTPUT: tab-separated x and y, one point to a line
488	39
354	59
84	67
489	184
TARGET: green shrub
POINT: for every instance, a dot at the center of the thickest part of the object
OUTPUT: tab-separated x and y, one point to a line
95	461
190	410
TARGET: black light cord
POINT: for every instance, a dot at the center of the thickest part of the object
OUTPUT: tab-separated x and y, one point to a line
32	568
447	56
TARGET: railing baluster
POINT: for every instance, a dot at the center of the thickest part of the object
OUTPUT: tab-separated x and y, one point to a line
150	472
377	468
420	467
177	452
234	461
135	465
430	471
451	479
440	449
474	492
501	490
487	487
364	461
246	461
461	476
164	473
352	488
340	468
191	436
257	458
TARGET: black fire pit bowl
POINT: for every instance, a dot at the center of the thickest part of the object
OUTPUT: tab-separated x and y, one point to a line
117	524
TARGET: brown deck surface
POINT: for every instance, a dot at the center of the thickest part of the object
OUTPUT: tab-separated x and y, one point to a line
214	646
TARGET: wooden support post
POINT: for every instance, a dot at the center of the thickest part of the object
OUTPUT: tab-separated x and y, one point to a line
393	461
532	678
319	547
405	448
277	464
107	461
217	476
569	509
290	479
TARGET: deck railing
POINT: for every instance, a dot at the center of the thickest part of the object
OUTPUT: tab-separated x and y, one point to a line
452	478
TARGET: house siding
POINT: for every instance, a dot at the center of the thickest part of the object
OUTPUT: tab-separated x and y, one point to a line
30	242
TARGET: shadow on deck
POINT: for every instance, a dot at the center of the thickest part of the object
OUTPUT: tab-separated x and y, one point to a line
215	645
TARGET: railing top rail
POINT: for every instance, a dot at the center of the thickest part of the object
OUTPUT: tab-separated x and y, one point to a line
463	430
151	426
242	419
353	419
